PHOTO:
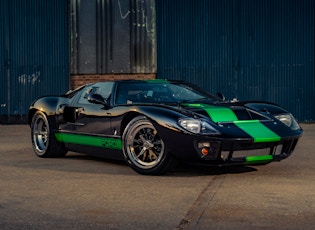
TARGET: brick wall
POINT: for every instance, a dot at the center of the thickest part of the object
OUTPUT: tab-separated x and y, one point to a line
78	80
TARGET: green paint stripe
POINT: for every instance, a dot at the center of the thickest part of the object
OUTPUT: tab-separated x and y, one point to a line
258	131
221	114
255	129
157	81
259	159
103	142
217	114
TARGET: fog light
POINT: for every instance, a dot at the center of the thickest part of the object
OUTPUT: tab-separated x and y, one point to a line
204	151
208	150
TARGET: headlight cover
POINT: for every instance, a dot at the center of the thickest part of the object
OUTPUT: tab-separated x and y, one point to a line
288	120
197	126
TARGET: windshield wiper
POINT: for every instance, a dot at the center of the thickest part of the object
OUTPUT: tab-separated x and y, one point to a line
195	100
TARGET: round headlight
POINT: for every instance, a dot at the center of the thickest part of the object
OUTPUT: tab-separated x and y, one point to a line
197	126
191	125
288	120
285	119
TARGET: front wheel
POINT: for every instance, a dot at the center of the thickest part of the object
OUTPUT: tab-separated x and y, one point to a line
44	142
143	148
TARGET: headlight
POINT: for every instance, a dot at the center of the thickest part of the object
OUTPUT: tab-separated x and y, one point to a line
197	126
191	125
288	120
285	119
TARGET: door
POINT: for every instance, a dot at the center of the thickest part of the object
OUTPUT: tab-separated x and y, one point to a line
92	118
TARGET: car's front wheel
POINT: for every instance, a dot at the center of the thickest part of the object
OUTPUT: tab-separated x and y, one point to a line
44	142
143	148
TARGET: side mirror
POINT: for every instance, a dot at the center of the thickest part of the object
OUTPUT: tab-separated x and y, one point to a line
221	96
97	99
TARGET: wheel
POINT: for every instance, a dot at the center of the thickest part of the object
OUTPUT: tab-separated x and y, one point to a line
44	142
144	150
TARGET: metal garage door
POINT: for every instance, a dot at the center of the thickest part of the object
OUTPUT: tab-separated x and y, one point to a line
34	54
262	49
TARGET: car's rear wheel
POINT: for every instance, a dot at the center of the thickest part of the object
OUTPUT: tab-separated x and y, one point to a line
143	148
44	142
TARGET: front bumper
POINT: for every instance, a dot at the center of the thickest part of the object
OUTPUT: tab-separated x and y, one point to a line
235	152
231	148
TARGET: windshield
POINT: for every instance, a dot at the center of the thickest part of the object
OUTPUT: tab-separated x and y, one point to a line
166	92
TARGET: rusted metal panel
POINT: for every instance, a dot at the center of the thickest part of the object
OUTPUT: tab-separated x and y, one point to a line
113	36
262	49
36	61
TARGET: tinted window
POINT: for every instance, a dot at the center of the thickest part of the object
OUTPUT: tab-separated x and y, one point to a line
131	92
102	88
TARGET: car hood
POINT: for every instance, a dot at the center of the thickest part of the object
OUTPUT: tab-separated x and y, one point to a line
256	119
234	111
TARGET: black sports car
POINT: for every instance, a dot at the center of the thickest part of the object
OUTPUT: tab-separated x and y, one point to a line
155	123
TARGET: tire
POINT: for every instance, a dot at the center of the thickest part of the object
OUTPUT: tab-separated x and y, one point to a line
44	141
144	150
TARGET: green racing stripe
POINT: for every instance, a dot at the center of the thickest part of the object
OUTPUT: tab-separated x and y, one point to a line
259	159
157	81
258	131
217	114
96	141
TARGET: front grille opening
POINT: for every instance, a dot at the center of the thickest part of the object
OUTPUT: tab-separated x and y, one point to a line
241	154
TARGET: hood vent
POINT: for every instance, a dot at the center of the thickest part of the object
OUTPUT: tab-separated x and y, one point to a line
247	114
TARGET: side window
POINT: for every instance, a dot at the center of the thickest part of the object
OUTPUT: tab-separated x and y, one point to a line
84	97
102	88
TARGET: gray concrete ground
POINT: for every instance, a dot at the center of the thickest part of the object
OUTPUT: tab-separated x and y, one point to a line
83	192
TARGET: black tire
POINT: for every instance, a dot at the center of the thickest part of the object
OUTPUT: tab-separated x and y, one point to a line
144	150
44	141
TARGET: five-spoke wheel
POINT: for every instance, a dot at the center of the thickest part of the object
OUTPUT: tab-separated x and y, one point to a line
43	140
143	148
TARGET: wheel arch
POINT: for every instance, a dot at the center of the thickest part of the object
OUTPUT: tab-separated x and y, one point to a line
31	113
47	105
127	118
159	117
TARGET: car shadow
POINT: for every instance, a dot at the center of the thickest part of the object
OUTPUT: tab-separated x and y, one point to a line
197	170
80	157
181	170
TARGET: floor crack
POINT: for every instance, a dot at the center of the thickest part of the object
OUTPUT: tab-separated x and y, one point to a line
203	201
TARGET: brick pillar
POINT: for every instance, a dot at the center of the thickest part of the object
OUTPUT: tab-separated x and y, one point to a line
78	80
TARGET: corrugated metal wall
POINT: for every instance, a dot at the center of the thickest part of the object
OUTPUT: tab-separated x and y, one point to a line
4	81
113	36
34	54
249	49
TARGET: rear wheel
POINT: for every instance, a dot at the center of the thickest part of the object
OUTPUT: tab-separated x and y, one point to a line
44	142
143	148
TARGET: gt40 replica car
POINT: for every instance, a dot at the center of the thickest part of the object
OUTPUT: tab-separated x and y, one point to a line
154	124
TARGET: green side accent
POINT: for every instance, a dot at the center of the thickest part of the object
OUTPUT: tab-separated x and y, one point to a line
259	159
217	114
157	81
103	142
258	131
